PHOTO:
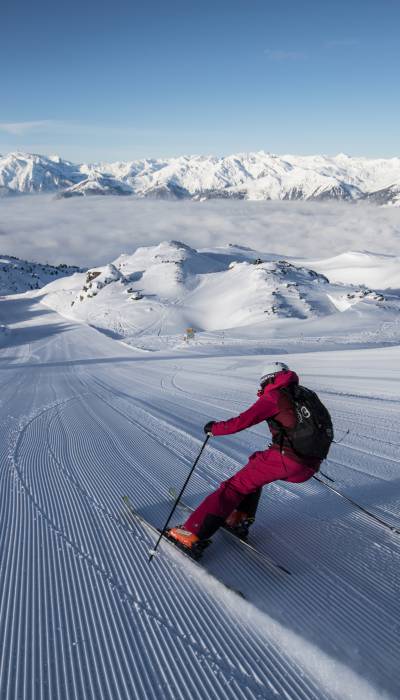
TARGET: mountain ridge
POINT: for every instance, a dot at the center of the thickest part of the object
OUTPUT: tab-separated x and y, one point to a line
256	176
18	276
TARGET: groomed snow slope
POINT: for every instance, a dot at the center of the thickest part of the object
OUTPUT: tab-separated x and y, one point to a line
85	420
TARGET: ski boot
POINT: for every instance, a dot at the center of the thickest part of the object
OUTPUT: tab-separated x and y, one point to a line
187	541
238	524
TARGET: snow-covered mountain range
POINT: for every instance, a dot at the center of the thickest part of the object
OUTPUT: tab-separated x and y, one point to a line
252	176
18	276
152	297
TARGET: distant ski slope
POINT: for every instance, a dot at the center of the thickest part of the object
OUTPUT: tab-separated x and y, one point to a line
85	420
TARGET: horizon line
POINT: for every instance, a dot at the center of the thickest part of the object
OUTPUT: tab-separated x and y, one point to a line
56	156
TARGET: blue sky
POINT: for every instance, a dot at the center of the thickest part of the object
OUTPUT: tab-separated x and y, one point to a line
95	80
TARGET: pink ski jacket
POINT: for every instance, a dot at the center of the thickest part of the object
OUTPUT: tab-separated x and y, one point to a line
273	403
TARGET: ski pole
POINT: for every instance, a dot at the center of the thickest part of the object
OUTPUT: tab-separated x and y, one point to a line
153	551
337	442
326	476
357	505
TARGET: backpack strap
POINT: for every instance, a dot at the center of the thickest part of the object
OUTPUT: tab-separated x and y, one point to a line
281	434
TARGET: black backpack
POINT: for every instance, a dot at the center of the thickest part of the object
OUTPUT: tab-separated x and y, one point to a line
312	435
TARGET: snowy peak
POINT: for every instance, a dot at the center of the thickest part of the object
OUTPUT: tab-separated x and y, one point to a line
28	173
252	176
97	184
183	259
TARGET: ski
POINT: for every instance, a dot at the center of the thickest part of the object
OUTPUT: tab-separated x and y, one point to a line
132	513
263	557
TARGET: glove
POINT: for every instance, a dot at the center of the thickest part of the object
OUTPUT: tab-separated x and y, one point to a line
208	427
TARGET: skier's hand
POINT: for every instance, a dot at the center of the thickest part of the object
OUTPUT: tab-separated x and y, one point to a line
208	427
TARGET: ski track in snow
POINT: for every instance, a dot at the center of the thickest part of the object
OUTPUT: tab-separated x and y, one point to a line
84	421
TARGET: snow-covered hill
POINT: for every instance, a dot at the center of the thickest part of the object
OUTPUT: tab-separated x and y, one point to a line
253	176
378	270
151	297
20	275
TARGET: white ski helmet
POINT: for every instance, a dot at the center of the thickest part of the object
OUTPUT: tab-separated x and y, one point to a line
271	369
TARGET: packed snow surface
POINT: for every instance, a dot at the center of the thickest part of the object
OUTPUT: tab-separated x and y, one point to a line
85	420
254	176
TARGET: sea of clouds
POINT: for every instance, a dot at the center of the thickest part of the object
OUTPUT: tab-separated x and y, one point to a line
93	231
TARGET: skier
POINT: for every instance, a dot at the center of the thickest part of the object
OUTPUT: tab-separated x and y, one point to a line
235	502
